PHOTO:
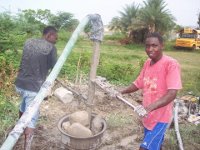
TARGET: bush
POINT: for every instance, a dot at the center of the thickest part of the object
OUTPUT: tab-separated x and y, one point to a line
76	64
64	36
119	73
9	62
169	45
115	36
8	117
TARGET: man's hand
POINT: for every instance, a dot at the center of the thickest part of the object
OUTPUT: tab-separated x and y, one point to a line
141	111
114	94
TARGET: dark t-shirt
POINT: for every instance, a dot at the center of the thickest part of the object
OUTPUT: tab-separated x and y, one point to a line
38	57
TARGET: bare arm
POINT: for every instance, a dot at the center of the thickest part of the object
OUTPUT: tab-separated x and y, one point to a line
163	101
129	89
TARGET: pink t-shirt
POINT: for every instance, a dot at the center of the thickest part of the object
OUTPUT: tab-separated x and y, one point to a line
155	80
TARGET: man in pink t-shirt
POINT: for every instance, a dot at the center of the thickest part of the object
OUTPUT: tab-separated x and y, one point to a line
159	80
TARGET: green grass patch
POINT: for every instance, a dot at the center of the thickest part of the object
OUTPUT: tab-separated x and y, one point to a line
8	115
76	64
190	71
135	47
189	135
115	36
116	63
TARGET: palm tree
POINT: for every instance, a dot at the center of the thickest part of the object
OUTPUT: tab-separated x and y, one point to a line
128	17
115	24
125	23
138	22
156	17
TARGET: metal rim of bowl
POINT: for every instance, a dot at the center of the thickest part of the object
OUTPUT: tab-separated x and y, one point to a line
63	132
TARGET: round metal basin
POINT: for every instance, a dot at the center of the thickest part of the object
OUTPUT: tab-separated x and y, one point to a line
76	143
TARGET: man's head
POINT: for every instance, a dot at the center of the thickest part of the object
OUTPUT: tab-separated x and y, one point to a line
154	46
50	34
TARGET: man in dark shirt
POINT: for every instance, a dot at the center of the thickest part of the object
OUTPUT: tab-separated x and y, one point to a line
39	56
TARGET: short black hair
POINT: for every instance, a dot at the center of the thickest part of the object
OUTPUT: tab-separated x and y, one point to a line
156	35
49	29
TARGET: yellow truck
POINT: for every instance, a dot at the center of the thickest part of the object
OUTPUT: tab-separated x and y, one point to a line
188	38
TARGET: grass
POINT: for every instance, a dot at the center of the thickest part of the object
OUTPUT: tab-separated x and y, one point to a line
117	64
8	116
189	62
189	134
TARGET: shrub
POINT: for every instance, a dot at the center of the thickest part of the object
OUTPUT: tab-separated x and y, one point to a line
9	62
8	111
115	36
119	73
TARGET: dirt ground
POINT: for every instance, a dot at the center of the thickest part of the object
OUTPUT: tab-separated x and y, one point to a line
124	131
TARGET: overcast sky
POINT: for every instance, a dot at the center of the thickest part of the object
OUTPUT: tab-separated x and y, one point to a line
185	11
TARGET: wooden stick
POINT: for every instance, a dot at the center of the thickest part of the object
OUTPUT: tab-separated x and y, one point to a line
93	70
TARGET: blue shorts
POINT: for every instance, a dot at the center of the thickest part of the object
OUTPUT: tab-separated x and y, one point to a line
153	139
27	98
